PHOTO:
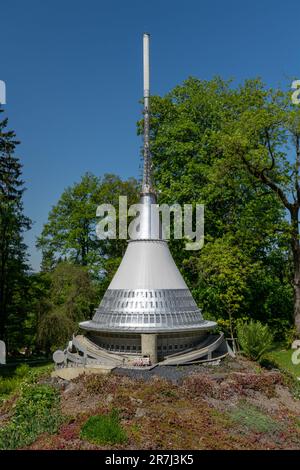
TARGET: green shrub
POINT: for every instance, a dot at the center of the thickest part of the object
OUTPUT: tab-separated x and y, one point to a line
22	371
104	429
38	373
289	336
13	380
254	338
36	411
8	385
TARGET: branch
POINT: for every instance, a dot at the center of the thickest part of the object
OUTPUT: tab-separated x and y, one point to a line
270	152
266	180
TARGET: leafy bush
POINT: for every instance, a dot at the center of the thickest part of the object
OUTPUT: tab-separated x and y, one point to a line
23	374
22	371
8	385
254	338
38	373
104	429
36	411
290	335
223	325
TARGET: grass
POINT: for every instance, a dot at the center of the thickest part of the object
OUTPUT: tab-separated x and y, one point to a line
10	382
12	378
8	370
36	411
253	419
36	408
104	429
283	358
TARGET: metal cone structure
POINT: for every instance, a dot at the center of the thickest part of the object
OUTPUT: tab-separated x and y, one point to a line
147	295
148	310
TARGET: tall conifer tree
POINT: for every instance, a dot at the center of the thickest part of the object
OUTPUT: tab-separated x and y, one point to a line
13	223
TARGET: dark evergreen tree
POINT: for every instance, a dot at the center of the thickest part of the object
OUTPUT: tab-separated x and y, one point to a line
13	223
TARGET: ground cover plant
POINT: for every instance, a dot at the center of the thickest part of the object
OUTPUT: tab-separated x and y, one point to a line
104	429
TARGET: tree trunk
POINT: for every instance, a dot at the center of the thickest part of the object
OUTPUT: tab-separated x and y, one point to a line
296	261
297	302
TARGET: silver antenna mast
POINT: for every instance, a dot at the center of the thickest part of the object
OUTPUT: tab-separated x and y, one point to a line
147	180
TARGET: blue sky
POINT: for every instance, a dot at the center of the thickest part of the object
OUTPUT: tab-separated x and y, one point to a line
73	71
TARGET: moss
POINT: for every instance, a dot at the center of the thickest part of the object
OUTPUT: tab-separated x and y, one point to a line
252	418
104	429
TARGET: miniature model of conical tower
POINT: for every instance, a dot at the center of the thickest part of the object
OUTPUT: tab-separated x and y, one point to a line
148	309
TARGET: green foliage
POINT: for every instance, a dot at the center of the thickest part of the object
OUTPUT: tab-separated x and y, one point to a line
70	232
291	381
37	373
260	136
39	285
72	288
254	338
22	371
104	429
290	335
226	147
54	329
245	264
225	326
36	411
11	380
224	273
8	385
77	283
282	359
252	418
13	223
70	299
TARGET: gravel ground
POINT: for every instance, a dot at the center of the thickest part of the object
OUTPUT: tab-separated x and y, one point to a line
173	373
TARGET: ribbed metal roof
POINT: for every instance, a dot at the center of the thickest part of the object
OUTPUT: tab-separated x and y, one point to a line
147	310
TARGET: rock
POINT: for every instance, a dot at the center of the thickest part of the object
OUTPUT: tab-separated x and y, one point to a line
2	352
296	344
219	376
140	412
109	398
235	365
69	388
55	382
136	400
